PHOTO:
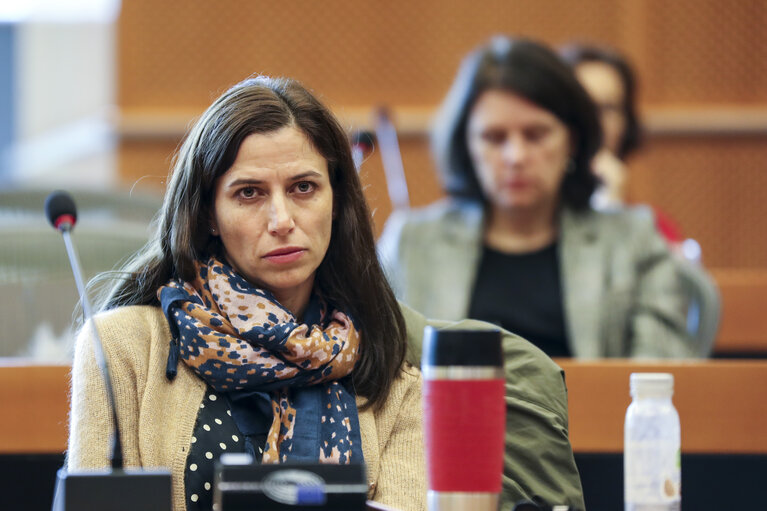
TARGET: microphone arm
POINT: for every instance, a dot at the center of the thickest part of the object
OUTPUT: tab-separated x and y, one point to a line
116	457
392	160
117	490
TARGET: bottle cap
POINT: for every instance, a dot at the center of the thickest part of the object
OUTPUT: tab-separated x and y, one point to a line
652	384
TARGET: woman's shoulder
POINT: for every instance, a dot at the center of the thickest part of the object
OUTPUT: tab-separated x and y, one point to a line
409	377
622	222
132	317
445	211
634	214
131	326
442	220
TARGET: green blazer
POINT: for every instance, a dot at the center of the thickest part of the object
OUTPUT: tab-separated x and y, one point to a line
621	290
538	459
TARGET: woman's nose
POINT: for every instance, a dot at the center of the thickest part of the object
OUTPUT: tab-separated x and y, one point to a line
514	150
280	217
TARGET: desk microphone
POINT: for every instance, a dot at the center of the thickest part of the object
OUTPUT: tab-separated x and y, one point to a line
362	145
113	489
62	214
391	158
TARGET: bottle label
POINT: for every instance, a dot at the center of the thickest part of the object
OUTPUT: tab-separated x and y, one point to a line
652	472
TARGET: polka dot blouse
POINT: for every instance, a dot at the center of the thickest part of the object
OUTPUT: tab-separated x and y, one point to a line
214	434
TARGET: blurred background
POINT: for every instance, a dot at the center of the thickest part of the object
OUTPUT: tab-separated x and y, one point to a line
95	96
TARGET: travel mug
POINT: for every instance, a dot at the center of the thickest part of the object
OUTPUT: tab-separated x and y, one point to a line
464	418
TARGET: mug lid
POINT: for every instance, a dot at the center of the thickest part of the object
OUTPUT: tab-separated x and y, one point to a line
478	348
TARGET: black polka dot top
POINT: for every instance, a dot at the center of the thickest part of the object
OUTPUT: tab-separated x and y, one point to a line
214	434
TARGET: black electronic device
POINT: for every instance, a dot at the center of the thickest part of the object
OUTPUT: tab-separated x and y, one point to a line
538	504
115	489
241	485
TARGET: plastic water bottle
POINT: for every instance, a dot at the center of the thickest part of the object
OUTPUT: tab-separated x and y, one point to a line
651	450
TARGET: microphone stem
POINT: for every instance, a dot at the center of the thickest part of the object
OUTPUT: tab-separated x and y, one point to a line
116	456
391	158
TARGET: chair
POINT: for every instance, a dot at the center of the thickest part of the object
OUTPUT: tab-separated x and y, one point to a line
704	306
118	204
38	293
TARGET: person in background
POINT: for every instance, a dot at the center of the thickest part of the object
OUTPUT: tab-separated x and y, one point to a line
611	82
516	242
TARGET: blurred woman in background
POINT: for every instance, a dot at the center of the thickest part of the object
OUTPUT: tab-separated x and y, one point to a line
611	82
517	243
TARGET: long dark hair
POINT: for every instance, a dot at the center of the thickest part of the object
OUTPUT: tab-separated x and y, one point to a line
530	70
577	53
349	276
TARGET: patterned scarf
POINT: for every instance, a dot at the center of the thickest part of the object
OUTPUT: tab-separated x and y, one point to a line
240	340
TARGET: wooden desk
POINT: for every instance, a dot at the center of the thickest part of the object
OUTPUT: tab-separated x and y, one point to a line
743	326
35	405
722	404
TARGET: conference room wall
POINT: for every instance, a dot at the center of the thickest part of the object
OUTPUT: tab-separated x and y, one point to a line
703	90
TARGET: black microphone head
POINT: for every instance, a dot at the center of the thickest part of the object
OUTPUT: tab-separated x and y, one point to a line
61	210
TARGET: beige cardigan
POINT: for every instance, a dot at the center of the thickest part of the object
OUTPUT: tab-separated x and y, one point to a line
157	416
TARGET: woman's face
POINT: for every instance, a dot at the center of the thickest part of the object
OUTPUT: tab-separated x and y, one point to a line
519	150
273	210
603	83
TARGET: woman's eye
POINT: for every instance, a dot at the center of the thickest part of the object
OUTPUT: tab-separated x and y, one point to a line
304	187
248	193
536	134
493	137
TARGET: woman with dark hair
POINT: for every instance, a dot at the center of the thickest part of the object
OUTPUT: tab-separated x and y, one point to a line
610	81
516	243
258	318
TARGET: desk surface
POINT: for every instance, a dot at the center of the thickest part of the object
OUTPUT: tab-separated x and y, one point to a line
722	405
35	404
743	327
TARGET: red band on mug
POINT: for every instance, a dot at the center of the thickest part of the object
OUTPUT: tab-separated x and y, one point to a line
465	429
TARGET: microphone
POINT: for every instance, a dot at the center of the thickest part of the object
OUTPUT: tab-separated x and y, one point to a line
62	214
362	145
391	157
116	489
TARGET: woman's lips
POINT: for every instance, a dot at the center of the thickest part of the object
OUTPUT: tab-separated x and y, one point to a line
516	184
285	255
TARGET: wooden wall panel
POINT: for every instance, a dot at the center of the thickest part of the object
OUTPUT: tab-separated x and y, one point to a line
686	51
704	51
714	187
697	54
350	52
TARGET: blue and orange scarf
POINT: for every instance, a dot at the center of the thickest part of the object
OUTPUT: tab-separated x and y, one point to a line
241	341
